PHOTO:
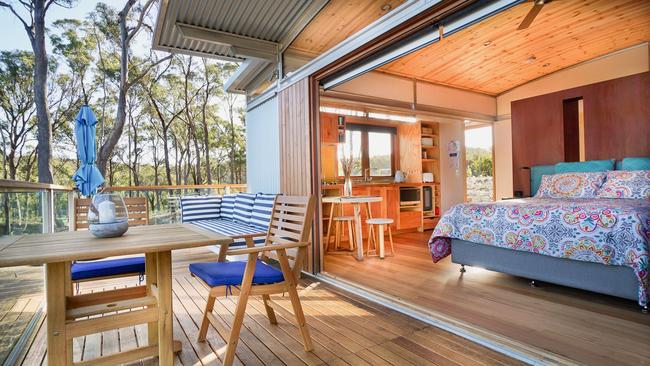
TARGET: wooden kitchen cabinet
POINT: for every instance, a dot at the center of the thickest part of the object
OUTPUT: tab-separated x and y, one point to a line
328	129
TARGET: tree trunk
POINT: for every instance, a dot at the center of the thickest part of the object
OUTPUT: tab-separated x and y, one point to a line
40	95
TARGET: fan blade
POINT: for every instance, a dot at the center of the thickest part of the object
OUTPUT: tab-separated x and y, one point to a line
528	20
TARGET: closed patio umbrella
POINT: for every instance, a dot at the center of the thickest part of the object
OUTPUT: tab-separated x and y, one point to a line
87	177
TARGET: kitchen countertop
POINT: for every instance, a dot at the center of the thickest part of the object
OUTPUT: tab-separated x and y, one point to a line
375	184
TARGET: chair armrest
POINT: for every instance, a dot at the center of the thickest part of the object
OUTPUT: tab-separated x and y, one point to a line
266	248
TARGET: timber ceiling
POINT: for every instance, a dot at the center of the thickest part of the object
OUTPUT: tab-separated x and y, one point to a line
338	20
493	56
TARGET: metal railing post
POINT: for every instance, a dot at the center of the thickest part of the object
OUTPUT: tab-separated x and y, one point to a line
48	210
72	215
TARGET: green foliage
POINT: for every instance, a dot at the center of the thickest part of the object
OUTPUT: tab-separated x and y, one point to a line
479	162
85	66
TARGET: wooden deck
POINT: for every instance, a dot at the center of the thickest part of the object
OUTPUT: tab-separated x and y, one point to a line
346	331
21	297
586	327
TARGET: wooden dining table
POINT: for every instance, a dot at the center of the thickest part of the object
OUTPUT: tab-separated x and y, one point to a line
70	316
356	202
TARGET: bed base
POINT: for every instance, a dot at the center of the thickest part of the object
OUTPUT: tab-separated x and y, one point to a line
619	281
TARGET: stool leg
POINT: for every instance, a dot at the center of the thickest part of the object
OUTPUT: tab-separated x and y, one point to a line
351	243
390	237
329	226
381	241
371	238
337	239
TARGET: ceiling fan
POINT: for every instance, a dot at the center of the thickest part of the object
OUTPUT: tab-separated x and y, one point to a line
532	14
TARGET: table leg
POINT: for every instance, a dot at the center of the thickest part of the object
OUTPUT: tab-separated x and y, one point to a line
165	311
358	233
381	241
152	279
58	352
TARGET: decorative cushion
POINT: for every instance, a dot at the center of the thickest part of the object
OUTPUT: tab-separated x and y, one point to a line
571	185
262	210
228	206
244	207
200	207
635	164
232	273
626	184
591	166
106	267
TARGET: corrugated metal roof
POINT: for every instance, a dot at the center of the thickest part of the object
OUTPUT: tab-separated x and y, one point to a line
267	20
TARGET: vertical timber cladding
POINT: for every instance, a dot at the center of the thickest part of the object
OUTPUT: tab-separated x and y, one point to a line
295	145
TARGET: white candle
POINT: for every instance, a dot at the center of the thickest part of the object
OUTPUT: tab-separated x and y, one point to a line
106	212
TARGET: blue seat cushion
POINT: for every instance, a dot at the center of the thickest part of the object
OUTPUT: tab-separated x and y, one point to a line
262	210
243	208
200	207
106	267
232	273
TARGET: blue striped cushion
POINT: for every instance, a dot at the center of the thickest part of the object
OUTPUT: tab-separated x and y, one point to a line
262	209
244	207
200	207
228	206
230	228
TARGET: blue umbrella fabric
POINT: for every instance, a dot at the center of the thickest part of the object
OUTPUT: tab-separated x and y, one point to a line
88	178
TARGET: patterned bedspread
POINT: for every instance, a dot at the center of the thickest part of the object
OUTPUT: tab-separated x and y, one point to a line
608	231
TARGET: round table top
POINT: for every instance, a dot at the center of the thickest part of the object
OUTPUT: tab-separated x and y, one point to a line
352	199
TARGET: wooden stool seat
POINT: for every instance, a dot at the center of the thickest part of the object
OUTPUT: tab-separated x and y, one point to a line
344	218
380	223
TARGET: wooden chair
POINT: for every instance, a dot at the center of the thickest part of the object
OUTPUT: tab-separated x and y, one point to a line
109	268
289	230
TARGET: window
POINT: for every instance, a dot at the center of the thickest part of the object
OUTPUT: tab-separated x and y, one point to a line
372	148
380	154
352	146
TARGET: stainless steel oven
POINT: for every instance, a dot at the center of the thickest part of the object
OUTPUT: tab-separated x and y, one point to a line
409	196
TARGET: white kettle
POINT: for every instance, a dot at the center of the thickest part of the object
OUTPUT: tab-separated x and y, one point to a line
400	177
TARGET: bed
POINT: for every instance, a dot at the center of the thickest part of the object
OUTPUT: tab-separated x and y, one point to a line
595	244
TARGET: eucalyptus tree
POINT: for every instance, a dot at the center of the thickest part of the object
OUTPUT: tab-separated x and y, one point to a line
31	14
17	107
130	20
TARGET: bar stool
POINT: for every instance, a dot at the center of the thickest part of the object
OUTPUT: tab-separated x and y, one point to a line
379	223
340	222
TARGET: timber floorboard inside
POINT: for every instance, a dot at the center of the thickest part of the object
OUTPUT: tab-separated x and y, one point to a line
587	327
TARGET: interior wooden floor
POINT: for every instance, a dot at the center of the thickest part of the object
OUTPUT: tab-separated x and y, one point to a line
586	327
346	331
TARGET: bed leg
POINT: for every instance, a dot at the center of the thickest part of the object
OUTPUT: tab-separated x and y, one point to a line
644	309
533	283
462	268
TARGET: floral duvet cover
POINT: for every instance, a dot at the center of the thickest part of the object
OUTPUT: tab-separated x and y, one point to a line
607	231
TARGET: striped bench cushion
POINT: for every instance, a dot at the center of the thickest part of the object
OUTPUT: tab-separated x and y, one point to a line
230	228
228	206
244	207
262	209
200	207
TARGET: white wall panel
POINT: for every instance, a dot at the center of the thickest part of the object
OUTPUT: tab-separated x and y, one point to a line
263	148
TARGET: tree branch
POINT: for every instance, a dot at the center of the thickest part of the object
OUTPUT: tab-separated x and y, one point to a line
28	27
136	79
143	13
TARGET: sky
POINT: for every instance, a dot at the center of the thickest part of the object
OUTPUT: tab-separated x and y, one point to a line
479	137
13	34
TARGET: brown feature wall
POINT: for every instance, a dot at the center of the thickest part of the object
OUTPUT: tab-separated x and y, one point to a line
617	124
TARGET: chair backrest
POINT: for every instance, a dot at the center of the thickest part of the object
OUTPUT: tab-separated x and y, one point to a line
291	221
137	207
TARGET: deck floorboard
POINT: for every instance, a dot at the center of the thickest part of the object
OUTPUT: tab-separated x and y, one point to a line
346	330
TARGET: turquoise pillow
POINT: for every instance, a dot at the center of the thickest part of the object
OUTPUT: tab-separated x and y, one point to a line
591	166
536	173
636	164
